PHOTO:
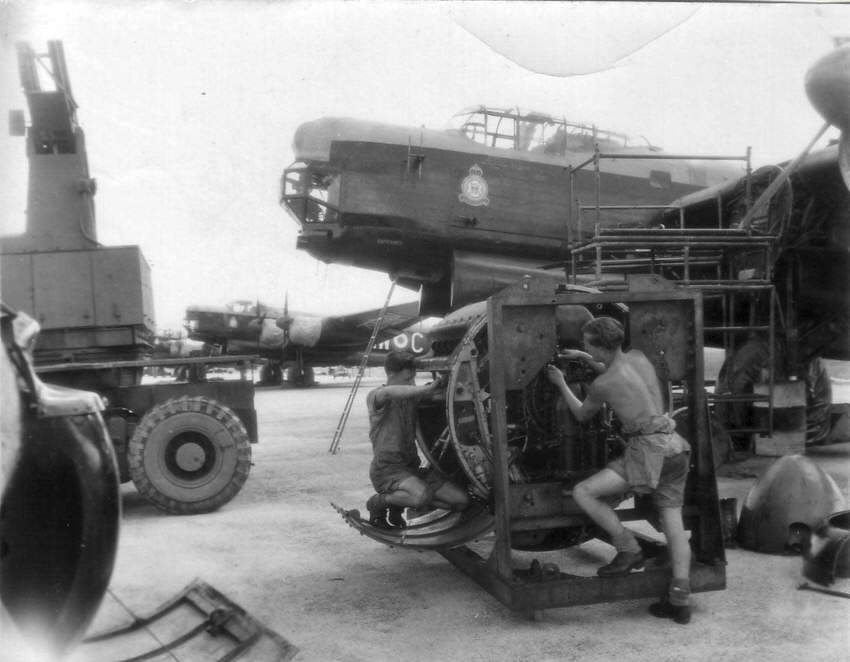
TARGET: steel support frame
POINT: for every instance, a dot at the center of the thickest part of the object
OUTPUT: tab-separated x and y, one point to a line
521	592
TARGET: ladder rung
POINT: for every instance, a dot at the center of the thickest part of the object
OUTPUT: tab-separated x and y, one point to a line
747	430
737	328
343	419
738	398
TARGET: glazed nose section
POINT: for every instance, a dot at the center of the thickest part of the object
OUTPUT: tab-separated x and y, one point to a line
312	140
828	87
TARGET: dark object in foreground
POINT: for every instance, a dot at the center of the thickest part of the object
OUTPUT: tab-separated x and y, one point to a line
807	587
60	501
786	503
198	624
827	555
664	609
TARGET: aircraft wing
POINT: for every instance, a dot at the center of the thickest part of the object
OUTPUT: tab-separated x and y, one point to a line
809	217
817	174
356	328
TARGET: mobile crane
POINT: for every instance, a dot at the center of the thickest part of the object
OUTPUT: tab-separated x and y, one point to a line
185	445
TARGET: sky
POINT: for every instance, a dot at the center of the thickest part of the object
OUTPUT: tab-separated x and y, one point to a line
189	108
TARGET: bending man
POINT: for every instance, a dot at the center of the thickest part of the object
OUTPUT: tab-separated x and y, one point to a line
395	471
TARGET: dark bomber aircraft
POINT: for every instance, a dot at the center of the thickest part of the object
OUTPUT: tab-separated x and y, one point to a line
459	214
487	198
296	341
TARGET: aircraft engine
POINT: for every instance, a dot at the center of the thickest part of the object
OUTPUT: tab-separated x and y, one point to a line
501	431
304	331
546	442
271	335
475	276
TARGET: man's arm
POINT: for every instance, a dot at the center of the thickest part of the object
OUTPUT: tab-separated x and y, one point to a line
581	410
405	391
583	356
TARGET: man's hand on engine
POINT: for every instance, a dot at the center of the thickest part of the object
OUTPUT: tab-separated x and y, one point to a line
554	375
439	383
575	354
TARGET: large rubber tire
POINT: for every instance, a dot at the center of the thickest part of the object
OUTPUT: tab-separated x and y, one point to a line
271	374
300	379
189	455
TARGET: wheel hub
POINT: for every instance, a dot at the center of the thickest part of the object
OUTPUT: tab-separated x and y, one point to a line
190	455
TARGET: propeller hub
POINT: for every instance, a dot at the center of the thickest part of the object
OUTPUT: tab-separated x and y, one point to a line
828	87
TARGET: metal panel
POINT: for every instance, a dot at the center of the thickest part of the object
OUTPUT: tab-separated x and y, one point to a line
200	623
16	286
668	325
523	593
539	500
663	330
63	290
530	342
121	280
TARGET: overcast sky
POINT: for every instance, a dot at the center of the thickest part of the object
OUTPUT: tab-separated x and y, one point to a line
189	108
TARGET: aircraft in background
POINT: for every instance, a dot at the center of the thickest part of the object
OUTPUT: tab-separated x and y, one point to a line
293	342
175	343
451	213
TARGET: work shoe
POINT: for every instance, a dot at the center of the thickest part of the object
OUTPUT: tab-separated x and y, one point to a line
377	512
664	609
623	564
395	518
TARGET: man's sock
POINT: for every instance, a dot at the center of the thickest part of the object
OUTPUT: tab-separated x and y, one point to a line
625	541
680	592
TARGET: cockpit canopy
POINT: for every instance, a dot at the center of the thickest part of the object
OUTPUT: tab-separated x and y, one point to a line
534	132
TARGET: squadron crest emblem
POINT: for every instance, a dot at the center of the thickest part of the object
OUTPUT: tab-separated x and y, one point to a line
473	188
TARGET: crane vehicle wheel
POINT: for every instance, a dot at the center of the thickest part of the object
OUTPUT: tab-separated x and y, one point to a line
189	455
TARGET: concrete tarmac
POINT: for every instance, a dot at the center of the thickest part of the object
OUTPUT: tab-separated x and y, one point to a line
281	552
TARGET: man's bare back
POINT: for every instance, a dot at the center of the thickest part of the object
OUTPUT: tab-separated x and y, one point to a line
630	387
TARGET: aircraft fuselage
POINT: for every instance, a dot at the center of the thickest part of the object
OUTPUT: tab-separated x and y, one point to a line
404	201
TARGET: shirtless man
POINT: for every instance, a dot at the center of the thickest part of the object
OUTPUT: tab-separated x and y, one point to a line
655	461
394	471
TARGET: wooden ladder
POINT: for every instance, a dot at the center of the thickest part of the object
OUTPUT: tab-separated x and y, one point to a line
343	419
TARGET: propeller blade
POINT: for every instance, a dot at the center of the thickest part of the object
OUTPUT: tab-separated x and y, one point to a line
285	322
259	321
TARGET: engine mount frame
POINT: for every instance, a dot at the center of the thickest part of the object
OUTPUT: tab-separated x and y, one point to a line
667	325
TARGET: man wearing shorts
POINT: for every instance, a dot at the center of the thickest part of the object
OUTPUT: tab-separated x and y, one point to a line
655	461
395	472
